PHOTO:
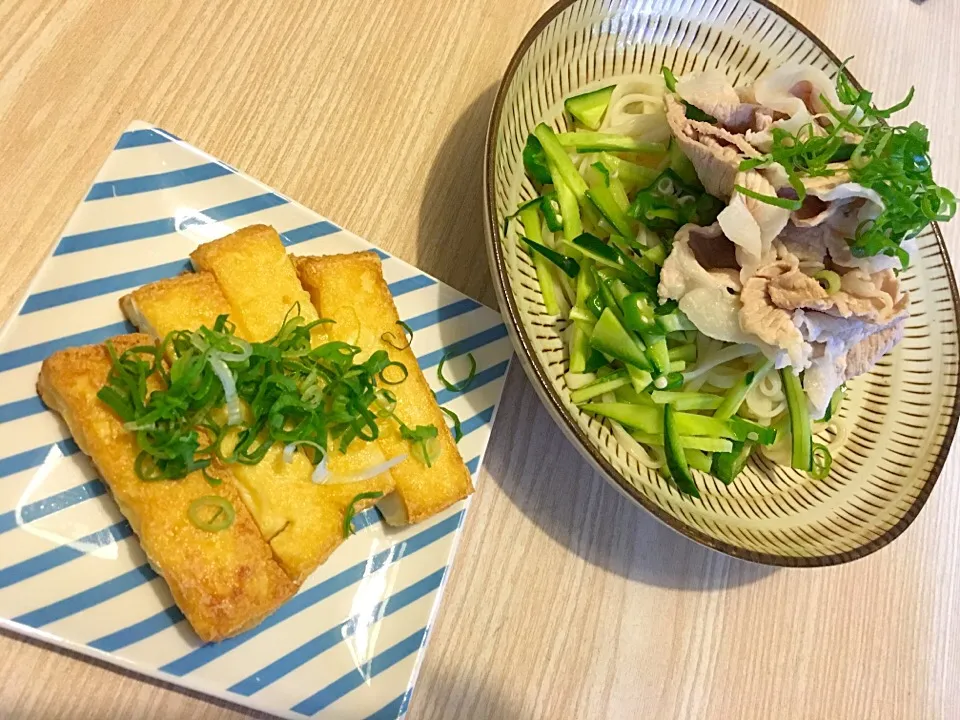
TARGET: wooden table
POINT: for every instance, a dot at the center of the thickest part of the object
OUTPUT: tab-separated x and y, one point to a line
565	600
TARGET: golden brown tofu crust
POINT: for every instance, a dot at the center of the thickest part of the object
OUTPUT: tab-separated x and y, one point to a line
257	278
225	582
302	521
184	302
422	491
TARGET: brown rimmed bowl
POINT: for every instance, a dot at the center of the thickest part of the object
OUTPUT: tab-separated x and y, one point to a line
901	417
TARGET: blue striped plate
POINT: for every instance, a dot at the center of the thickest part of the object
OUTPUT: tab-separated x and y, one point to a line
71	573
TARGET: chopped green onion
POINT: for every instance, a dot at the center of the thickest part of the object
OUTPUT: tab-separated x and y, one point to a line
829	281
780	202
393	364
822	461
669	78
389	339
211	513
457	428
465	384
352	509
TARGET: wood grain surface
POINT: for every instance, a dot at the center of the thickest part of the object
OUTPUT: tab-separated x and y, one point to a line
565	601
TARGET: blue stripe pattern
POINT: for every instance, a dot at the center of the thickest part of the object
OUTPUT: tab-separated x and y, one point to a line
394	709
50	505
352	680
72	599
20	408
35	353
62	554
479	380
326	640
36	456
141	138
446	312
157	181
88	598
101	286
139	631
166	226
464	346
308	232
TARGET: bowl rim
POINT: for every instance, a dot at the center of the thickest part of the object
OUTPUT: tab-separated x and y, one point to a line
552	401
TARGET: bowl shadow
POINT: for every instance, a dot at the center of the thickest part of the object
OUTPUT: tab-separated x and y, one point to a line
450	243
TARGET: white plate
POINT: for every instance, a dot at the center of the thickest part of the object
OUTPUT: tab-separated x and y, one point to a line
71	572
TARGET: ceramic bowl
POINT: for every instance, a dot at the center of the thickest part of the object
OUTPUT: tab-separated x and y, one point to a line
901	417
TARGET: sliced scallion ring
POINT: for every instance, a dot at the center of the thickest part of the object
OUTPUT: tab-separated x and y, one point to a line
391	340
465	384
822	461
457	428
400	366
352	510
211	513
829	281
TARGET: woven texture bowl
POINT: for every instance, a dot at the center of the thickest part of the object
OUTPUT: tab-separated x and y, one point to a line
902	416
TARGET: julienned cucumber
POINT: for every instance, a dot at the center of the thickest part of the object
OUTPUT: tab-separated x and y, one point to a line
676	459
682	166
600	142
801	439
610	338
589	108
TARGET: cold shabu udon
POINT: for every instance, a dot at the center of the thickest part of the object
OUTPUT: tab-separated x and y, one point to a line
722	259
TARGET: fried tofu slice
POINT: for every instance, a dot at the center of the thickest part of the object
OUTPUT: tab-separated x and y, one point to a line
302	521
257	279
224	582
184	302
421	491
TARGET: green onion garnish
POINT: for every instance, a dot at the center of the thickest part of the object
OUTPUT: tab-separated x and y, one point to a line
457	429
822	461
211	513
829	281
423	438
279	392
352	510
464	385
780	202
389	339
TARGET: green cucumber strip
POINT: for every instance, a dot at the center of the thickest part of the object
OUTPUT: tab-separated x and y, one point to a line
697	459
639	417
686	400
561	166
720	445
584	142
686	353
639	379
529	217
744	430
629	173
599	387
579	349
569	207
801	438
610	338
701	425
602	198
590	107
676	459
738	393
